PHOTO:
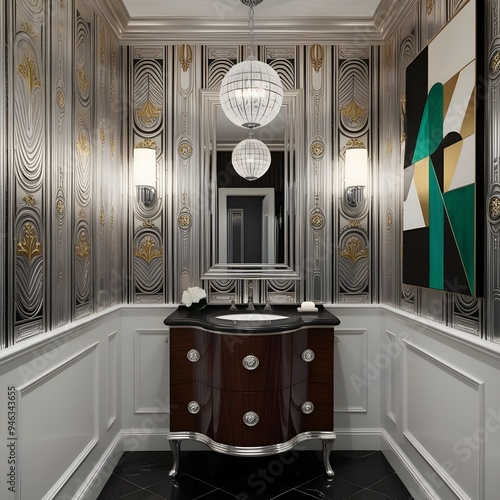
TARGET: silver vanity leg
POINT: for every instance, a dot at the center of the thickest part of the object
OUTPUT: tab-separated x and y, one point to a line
175	444
327	449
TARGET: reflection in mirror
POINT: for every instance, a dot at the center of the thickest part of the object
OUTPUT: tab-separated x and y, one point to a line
248	229
234	231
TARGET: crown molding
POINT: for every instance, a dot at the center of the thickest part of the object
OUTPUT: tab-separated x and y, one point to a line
283	31
114	13
197	30
389	14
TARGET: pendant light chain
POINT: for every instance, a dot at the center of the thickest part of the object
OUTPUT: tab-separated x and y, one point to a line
250	31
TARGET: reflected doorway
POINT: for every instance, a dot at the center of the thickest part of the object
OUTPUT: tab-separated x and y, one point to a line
246	225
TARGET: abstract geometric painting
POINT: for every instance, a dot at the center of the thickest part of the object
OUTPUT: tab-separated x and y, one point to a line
443	163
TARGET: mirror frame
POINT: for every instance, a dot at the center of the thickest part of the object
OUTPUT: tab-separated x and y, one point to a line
293	104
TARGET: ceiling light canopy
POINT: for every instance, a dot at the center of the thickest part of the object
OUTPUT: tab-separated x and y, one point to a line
251	158
251	92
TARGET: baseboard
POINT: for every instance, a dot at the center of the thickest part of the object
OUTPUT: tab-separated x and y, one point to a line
101	472
416	484
357	439
145	440
125	440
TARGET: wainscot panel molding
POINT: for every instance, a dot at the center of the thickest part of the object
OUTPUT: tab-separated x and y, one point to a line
450	406
351	351
112	387
151	373
61	408
144	412
391	348
407	372
458	413
66	417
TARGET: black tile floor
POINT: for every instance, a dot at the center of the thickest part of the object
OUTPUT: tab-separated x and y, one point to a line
293	475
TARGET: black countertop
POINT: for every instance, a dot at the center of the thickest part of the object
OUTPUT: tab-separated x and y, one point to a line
207	319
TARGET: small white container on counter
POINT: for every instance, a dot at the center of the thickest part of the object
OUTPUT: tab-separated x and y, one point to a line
307	307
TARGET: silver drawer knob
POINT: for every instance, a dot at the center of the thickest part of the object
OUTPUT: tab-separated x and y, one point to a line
308	355
250	418
193	407
250	362
193	355
307	407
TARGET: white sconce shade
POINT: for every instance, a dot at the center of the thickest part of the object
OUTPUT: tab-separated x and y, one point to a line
251	94
355	175
356	167
251	159
145	174
144	167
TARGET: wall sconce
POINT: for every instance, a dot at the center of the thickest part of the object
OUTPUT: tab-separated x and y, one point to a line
145	175
356	175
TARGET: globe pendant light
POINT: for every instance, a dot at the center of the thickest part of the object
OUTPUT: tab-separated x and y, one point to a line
251	92
251	158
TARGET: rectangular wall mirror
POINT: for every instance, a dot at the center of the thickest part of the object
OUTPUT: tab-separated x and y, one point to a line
252	222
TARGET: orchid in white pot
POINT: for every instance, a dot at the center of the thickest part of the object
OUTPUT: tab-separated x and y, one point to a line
195	298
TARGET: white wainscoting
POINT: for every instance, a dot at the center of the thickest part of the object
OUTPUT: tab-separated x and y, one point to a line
427	396
64	380
151	371
447	439
58	424
437	417
112	380
392	351
351	370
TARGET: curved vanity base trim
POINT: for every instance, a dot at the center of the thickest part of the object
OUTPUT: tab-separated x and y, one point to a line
175	439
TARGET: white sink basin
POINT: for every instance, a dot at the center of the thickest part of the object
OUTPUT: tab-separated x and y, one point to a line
251	317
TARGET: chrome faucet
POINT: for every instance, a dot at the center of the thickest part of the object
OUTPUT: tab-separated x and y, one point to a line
268	306
250	306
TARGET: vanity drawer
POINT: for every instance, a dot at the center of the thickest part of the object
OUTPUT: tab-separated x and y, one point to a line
190	355
319	416
312	355
185	415
233	414
252	363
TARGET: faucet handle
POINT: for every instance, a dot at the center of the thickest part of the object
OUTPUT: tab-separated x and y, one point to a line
250	306
233	306
268	307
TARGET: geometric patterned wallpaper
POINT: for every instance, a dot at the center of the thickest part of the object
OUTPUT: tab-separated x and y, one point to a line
149	129
62	167
75	240
333	241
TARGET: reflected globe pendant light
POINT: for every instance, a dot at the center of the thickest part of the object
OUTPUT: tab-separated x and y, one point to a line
251	158
251	92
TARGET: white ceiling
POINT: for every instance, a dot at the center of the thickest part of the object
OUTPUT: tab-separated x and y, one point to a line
268	9
277	22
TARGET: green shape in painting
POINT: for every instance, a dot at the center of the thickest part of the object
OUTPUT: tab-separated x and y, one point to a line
430	133
459	205
436	232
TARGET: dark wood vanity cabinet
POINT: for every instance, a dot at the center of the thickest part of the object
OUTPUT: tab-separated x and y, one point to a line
256	392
